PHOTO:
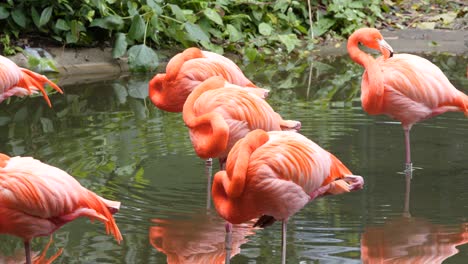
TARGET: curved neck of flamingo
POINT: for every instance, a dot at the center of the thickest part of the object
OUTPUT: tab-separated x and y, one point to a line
356	54
210	130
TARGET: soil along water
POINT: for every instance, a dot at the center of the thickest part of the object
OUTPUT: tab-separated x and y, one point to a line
117	144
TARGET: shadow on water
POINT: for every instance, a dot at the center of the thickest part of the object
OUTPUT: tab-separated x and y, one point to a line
116	143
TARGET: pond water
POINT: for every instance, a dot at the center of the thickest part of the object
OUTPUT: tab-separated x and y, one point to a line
116	143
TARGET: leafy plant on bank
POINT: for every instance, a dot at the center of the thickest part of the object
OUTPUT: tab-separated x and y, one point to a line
139	27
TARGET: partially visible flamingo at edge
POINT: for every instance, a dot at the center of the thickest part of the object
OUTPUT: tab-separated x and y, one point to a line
168	91
405	87
36	199
17	81
273	175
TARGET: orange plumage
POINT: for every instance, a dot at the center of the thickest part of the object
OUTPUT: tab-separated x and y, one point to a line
17	81
36	199
218	114
168	91
272	175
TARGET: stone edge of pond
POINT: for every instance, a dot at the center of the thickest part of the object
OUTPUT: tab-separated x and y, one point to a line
94	64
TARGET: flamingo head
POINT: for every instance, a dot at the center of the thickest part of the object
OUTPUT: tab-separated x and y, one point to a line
162	96
371	38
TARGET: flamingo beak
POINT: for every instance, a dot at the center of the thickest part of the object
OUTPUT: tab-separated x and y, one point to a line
385	47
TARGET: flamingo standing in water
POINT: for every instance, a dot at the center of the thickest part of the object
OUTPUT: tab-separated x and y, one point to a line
168	91
272	175
405	87
36	199
219	113
17	81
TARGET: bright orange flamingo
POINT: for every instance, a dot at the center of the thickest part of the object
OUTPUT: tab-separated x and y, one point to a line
196	239
272	175
36	199
17	81
218	114
405	87
168	91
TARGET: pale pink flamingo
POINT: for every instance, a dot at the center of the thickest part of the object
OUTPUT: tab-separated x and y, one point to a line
405	87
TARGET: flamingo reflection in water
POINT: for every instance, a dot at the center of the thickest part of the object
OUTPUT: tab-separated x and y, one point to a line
407	239
198	239
19	258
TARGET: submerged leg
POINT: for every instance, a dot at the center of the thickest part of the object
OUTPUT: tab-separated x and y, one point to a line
283	241
406	212
208	172
27	250
228	242
408	165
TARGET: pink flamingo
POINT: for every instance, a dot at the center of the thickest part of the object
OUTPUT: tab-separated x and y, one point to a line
168	91
36	199
17	81
272	175
405	87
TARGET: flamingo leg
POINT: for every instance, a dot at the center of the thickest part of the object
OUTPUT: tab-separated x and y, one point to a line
27	250
409	165
283	241
406	212
228	242
208	172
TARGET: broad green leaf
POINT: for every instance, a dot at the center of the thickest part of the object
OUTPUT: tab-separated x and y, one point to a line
265	29
35	16
132	8
322	26
120	45
289	40
213	16
137	29
154	6
45	16
62	25
177	12
110	22
4	12
142	58
234	34
18	17
250	53
195	32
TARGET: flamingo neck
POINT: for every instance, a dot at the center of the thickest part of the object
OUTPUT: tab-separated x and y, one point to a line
356	54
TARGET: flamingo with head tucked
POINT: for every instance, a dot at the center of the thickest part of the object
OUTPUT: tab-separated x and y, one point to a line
36	199
405	87
272	175
219	113
17	81
168	91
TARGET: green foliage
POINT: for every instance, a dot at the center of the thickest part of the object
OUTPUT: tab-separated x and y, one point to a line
253	28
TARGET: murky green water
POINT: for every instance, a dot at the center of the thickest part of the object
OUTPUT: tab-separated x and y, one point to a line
116	143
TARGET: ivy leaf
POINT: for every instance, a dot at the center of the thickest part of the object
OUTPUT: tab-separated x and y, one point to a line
45	16
62	25
120	46
4	12
322	26
177	12
111	22
18	17
265	29
137	29
142	58
195	32
289	40
213	16
234	34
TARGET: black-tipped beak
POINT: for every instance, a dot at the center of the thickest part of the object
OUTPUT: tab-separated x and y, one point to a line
384	45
